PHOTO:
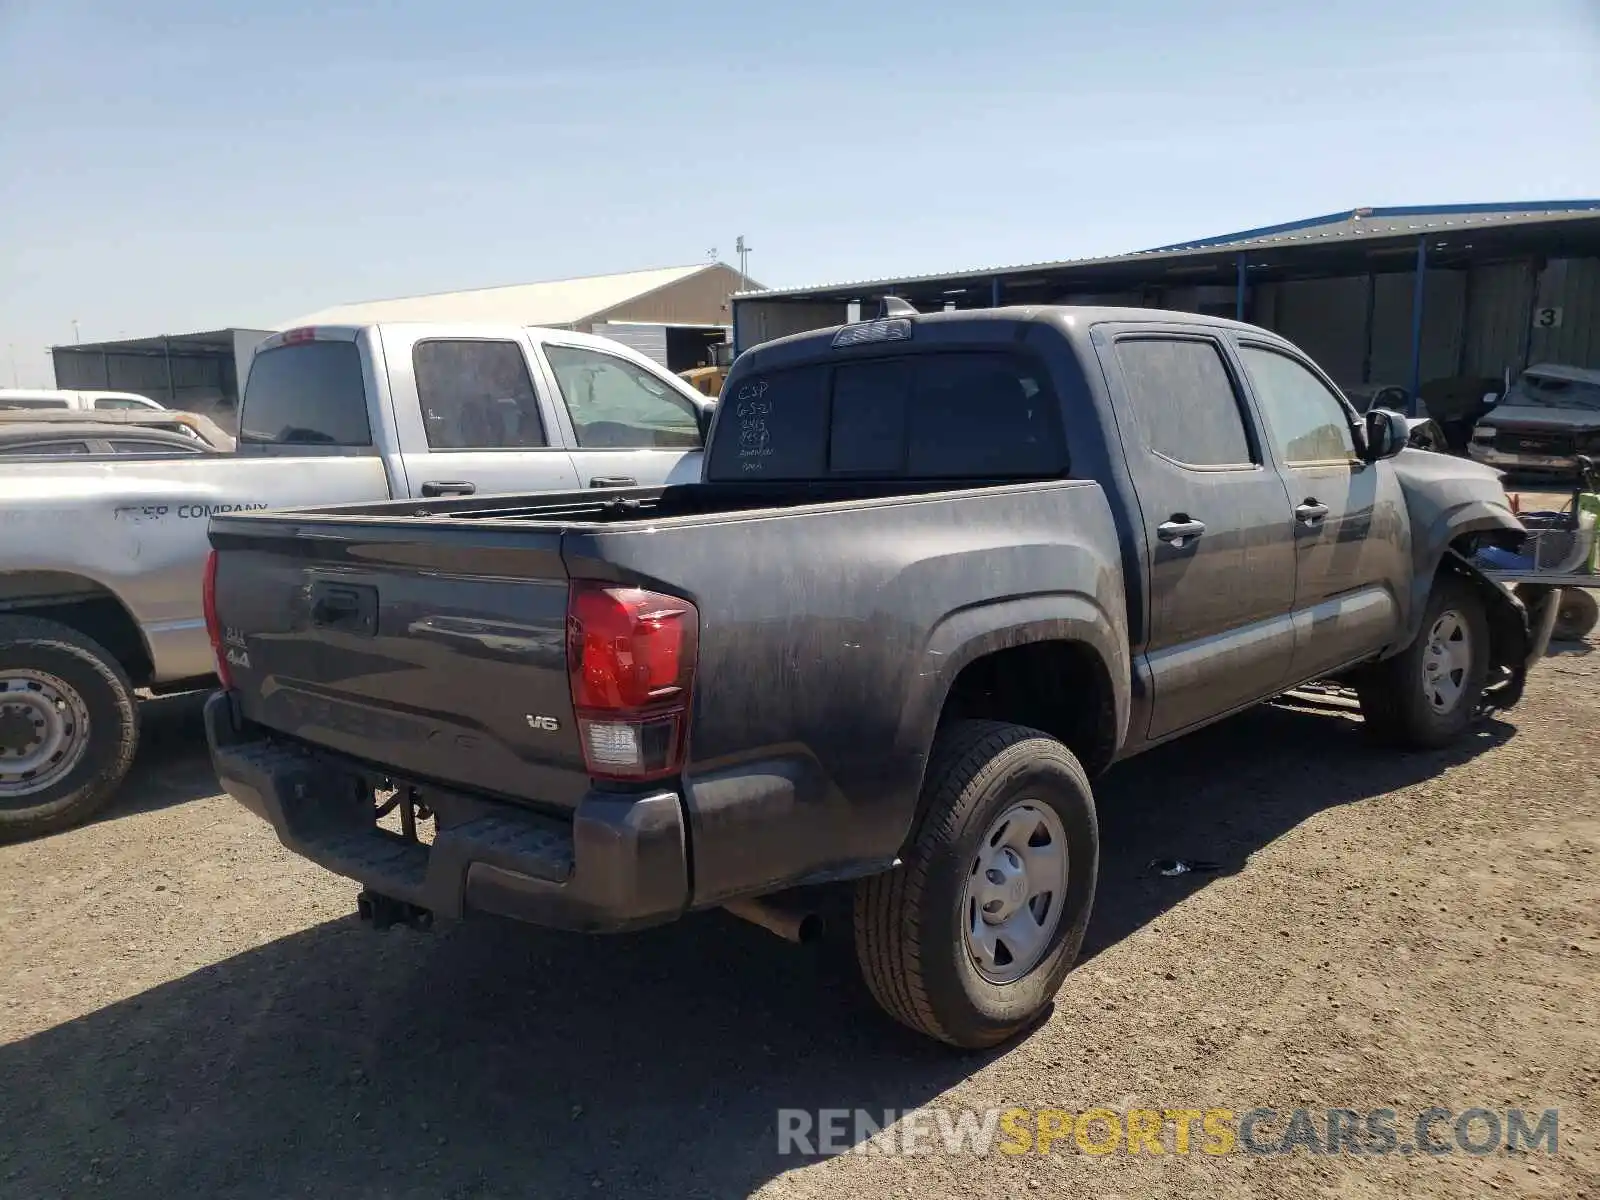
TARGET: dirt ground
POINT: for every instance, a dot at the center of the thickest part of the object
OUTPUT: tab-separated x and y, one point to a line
187	1010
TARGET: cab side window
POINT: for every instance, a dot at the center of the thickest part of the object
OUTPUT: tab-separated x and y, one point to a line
616	404
477	395
1184	401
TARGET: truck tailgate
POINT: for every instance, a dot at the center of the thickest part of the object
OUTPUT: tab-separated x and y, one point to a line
438	659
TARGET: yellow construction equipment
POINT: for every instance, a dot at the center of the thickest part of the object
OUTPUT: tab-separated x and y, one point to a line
708	379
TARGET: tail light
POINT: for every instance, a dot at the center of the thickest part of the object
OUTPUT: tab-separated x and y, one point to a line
630	661
208	597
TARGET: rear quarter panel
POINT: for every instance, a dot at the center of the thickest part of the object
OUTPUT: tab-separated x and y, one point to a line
829	638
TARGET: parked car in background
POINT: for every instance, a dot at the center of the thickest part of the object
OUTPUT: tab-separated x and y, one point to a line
102	556
78	401
194	427
939	571
45	439
1547	418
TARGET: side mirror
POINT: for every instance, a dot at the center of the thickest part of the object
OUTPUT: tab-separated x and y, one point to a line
703	414
1387	434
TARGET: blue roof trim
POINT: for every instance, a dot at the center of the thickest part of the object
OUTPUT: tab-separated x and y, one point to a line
1410	210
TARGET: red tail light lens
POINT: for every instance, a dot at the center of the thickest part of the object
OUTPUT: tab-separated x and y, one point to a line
208	598
630	661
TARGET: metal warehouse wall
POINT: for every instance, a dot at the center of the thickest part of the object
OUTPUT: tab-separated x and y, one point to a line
194	379
763	320
701	299
1326	318
1499	307
199	383
648	340
1443	310
1475	322
1573	285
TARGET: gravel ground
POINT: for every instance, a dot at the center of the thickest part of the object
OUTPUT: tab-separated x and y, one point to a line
187	1010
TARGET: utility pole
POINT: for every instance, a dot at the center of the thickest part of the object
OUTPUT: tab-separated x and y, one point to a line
744	263
76	339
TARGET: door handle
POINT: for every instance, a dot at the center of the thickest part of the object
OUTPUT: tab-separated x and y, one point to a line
613	481
1179	530
448	487
1310	512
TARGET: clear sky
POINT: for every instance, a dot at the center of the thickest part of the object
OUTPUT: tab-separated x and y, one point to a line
175	165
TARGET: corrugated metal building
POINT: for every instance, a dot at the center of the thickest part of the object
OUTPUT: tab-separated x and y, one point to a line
1379	296
672	315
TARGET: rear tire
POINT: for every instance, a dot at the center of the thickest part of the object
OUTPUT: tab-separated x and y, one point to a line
989	786
69	725
1427	695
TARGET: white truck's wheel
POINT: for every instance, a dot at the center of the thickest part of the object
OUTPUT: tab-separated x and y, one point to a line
69	724
969	939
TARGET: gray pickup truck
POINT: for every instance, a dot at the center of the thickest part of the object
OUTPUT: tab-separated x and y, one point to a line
939	572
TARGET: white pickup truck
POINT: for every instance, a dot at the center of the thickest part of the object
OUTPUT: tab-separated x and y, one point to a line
101	560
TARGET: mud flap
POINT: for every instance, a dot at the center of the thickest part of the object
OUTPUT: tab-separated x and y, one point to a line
1511	638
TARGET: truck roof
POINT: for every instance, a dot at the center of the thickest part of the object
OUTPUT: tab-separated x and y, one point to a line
446	328
1068	315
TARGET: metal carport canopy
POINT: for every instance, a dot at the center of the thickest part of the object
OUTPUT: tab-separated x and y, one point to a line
1336	245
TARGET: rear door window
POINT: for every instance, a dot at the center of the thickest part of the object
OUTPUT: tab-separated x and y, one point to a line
1184	401
306	394
477	395
967	415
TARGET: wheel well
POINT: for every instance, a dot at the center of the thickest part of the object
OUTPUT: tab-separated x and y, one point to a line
96	613
1059	687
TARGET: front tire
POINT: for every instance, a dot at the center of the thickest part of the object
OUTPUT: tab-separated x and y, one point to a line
969	940
1577	613
69	725
1427	695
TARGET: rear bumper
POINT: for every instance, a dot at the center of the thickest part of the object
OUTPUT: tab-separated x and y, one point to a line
621	863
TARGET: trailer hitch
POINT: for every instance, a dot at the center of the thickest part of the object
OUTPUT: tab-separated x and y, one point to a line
382	911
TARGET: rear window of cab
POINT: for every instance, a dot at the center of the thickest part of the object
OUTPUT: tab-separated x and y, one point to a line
954	415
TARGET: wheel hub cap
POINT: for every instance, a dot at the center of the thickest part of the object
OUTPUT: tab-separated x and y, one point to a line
1015	891
1446	662
44	730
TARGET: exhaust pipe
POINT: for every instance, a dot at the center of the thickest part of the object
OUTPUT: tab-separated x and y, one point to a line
801	928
